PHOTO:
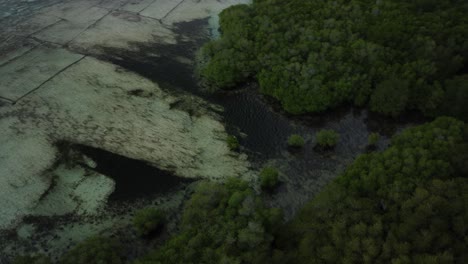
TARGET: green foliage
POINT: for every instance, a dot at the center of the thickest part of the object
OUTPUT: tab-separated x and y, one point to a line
373	139
296	141
407	204
221	224
327	138
95	250
316	55
36	259
232	142
269	178
148	220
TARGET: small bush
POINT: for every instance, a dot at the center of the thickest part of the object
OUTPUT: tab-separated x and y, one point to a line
327	138
373	139
269	178
148	220
95	250
232	142
296	141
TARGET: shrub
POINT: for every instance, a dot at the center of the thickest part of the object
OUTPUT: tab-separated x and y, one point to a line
95	250
148	220
373	139
232	142
327	138
269	178
296	141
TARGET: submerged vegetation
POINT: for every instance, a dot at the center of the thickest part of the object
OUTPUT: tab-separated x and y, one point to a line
95	250
315	55
232	142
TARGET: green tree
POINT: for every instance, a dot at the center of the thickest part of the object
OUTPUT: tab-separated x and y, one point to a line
327	138
269	178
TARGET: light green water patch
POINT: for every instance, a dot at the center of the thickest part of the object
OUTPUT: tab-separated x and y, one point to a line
52	236
75	190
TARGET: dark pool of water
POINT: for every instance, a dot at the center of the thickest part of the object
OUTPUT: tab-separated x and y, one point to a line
133	178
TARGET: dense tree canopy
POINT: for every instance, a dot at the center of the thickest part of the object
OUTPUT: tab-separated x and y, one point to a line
221	224
314	55
408	204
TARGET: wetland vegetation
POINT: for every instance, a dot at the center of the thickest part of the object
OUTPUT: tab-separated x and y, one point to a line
403	201
406	204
